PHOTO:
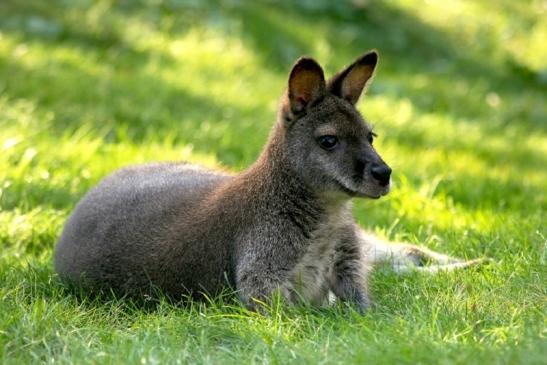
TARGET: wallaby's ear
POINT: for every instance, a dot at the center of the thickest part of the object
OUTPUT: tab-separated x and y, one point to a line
350	82
306	84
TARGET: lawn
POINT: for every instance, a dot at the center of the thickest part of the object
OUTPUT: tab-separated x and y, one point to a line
460	106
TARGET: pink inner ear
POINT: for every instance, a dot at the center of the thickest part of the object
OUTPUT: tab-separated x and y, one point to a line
305	85
355	82
302	99
299	103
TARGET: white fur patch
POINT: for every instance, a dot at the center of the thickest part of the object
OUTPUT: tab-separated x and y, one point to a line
309	279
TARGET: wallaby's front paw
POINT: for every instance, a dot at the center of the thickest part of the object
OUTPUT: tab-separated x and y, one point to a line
262	299
363	305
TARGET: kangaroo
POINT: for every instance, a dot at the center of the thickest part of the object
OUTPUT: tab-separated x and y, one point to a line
284	225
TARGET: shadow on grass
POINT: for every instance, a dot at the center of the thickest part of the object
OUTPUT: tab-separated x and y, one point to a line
136	106
408	45
279	33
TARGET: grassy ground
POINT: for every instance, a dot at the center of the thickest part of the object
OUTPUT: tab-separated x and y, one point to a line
459	103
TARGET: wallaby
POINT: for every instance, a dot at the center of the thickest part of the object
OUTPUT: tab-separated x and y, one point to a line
283	226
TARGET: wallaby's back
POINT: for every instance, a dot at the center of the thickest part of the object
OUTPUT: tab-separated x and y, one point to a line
122	234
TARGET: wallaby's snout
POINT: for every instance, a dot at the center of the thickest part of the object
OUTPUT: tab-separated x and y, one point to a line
381	172
373	179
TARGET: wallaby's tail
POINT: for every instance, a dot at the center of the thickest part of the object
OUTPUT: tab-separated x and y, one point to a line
401	269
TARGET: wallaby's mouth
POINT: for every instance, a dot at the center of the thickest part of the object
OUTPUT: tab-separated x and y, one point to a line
363	194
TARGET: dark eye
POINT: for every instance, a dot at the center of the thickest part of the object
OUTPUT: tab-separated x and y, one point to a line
327	142
371	136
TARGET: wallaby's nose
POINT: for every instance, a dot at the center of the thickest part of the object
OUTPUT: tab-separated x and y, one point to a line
381	172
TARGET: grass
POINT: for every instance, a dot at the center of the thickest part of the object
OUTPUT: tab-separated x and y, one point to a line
458	102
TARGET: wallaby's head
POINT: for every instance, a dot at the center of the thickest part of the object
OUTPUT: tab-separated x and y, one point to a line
327	141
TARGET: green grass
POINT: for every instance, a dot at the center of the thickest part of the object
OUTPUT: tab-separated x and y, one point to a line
459	102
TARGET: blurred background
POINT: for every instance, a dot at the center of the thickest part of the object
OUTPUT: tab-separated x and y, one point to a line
459	106
459	99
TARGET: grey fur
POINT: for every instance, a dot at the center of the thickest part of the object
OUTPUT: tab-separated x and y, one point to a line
283	225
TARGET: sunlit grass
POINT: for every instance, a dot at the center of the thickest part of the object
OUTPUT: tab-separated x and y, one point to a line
459	106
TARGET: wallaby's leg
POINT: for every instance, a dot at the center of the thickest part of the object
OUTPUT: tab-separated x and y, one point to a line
349	277
407	257
260	275
255	288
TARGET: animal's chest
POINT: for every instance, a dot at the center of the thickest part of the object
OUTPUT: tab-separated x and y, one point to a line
310	277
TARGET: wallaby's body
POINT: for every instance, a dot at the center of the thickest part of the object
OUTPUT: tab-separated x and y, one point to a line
124	233
283	225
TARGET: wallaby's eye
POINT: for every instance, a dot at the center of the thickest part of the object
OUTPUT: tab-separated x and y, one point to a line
371	136
327	142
